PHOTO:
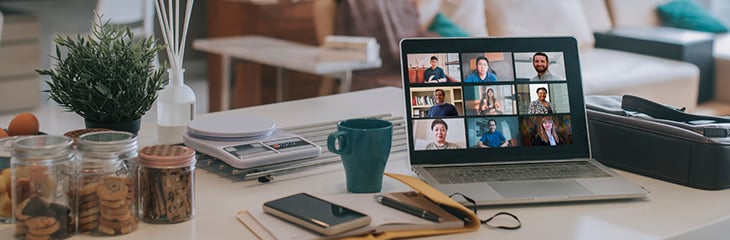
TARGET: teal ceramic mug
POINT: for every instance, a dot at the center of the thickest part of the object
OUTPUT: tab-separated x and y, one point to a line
364	145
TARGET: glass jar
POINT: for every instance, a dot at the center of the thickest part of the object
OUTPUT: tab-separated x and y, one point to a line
106	195
167	183
42	176
6	204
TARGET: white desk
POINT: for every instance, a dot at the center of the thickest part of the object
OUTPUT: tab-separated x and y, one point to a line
283	55
672	211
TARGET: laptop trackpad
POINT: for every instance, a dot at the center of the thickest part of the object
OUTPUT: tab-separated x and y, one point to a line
563	188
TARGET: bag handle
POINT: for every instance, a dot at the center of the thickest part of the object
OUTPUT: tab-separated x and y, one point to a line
659	111
656	110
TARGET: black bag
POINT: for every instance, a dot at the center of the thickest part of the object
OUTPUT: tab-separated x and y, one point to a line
651	139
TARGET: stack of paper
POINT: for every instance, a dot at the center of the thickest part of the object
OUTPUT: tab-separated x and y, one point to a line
361	48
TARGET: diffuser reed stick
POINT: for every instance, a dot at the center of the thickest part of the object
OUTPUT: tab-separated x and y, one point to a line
176	102
168	15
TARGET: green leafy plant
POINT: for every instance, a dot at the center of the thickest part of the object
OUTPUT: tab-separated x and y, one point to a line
105	77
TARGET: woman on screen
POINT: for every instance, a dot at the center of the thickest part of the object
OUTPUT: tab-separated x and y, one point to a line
489	104
546	133
439	129
540	105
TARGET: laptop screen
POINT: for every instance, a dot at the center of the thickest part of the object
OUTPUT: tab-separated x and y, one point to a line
493	99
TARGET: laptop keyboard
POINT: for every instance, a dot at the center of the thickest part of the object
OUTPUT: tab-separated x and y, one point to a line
515	172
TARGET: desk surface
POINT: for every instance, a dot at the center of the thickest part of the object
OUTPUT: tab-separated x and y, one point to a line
671	211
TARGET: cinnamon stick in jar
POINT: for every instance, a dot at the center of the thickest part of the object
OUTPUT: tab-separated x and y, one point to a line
167	183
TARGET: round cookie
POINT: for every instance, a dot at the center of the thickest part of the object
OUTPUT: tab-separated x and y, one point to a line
114	204
116	217
20	228
127	229
30	236
112	190
114	224
88	226
115	211
89	188
89	197
88	219
22	189
19	210
88	204
89	212
42	226
107	230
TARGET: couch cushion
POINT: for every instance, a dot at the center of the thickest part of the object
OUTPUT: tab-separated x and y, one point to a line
634	13
538	18
467	14
445	27
597	14
611	72
687	14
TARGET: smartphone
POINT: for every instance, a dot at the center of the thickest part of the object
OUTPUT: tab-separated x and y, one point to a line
316	214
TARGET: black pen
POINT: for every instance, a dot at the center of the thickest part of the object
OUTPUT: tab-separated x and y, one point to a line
413	210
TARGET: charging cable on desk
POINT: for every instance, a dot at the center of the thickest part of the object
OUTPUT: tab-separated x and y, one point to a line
473	207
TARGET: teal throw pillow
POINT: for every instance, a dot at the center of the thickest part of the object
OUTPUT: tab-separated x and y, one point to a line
687	14
445	27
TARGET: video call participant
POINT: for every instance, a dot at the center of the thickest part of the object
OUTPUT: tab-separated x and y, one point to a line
439	129
441	108
489	105
483	73
492	138
434	73
540	105
541	63
546	133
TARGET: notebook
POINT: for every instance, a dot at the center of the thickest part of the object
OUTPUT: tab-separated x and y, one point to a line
502	121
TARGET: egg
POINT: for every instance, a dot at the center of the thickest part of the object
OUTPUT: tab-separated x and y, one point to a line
3	133
23	124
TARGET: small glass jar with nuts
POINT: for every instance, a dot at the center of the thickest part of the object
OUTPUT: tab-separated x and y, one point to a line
106	183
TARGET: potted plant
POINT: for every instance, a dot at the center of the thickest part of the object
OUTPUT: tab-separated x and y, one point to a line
107	78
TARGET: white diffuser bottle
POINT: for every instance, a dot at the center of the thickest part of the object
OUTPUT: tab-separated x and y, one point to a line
175	108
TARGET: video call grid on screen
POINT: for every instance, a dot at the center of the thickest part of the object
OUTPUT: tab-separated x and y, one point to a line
510	78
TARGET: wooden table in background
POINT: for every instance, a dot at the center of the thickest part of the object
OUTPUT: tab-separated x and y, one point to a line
282	54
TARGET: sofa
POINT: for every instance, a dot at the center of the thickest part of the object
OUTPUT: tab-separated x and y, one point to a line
604	71
19	51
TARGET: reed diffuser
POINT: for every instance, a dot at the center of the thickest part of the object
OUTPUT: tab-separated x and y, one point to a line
176	101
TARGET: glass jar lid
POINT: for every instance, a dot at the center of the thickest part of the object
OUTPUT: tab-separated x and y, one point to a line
43	148
166	156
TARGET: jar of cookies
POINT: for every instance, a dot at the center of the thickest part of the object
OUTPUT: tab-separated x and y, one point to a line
167	183
6	204
106	183
42	176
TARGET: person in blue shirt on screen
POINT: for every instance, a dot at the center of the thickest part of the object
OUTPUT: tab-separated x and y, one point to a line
441	107
483	72
492	138
434	74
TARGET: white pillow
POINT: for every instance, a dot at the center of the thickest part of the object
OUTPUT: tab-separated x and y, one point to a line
539	18
467	14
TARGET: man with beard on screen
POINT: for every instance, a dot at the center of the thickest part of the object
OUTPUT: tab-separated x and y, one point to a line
541	63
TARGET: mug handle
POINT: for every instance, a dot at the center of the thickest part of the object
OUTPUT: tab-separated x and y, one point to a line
339	135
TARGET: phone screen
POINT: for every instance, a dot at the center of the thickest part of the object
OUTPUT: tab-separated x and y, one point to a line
307	207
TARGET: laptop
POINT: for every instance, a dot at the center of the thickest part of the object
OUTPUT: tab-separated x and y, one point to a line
486	121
